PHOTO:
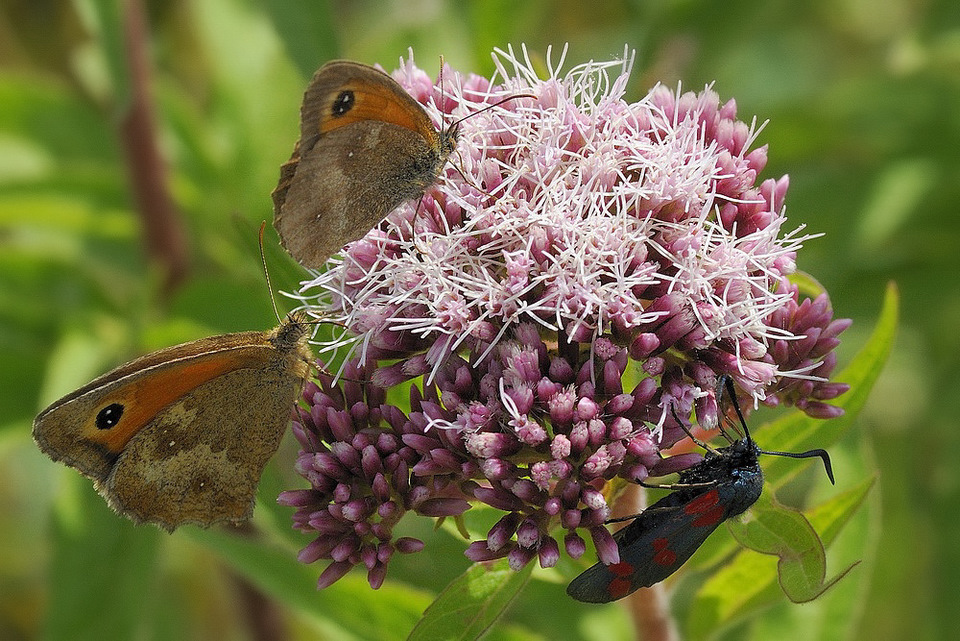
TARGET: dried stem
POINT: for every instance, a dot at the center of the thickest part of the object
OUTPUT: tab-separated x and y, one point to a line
264	616
163	230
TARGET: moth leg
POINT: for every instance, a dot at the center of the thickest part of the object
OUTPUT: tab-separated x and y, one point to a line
667	508
676	486
693	438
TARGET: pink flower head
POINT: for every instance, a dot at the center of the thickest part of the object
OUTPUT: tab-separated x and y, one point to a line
573	239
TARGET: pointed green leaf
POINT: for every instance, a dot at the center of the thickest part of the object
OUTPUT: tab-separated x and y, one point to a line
472	603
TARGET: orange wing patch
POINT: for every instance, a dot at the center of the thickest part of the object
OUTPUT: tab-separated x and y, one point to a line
373	102
143	399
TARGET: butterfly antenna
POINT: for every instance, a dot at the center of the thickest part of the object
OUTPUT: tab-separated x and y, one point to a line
443	94
727	382
276	311
457	122
266	273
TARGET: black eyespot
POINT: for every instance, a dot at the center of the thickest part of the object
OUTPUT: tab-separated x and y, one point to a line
109	416
343	103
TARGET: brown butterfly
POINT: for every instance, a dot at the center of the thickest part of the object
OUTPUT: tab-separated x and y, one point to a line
182	435
365	147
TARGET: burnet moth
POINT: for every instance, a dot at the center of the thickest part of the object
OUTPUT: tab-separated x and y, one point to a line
662	537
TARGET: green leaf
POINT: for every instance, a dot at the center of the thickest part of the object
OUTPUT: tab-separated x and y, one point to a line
102	569
830	517
472	603
739	588
773	529
747	584
348	607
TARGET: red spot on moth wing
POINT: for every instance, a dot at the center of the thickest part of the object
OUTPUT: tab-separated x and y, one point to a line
622	582
707	508
702	503
664	555
710	517
619	588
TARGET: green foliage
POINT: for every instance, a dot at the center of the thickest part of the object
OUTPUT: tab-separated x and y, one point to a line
344	609
97	554
471	604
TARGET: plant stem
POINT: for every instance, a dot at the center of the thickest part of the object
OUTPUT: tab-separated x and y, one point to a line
163	230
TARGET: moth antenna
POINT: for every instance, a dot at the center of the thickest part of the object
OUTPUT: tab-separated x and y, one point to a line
727	382
824	456
266	273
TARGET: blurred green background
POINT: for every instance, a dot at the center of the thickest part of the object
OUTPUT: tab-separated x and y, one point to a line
863	99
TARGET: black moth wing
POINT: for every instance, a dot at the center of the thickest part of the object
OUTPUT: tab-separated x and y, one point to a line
665	535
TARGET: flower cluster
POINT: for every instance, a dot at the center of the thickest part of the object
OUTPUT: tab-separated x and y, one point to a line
579	280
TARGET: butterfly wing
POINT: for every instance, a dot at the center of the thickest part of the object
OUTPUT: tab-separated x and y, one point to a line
200	459
365	147
181	435
376	96
343	187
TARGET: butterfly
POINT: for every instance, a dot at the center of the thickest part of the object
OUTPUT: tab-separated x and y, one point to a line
182	435
365	147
